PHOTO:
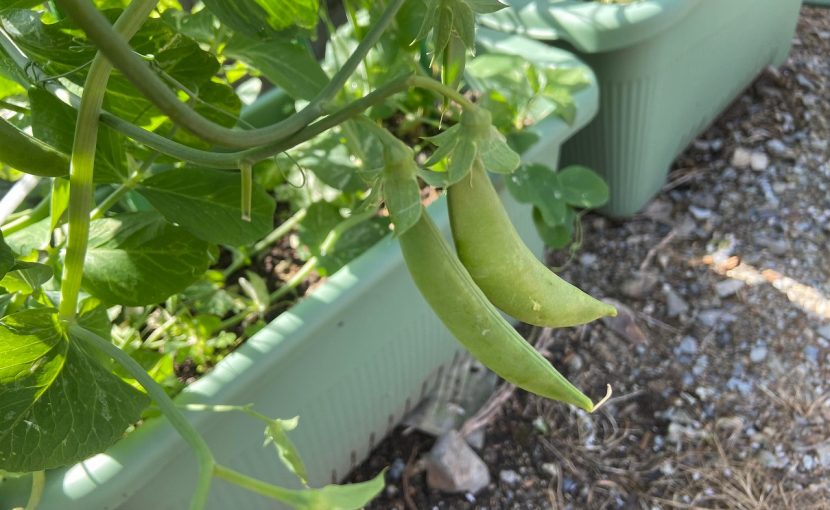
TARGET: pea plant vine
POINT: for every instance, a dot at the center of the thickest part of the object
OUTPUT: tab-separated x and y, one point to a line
156	194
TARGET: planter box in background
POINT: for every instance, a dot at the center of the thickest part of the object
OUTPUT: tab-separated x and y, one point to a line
351	360
666	69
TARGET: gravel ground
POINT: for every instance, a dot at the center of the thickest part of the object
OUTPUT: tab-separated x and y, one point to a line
720	359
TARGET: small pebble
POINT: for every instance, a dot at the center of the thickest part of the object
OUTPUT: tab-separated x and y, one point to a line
758	353
824	332
510	477
727	288
587	259
699	213
687	346
811	353
759	161
777	147
741	158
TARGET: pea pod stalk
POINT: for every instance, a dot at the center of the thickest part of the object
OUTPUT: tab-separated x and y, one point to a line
474	321
504	268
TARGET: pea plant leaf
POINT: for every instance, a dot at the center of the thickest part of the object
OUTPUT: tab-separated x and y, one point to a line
403	199
555	236
26	277
54	123
206	203
353	243
353	496
263	18
539	185
138	259
6	257
276	433
582	187
287	63
58	404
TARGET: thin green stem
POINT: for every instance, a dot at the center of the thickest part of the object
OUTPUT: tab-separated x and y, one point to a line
436	86
210	159
247	186
114	197
136	70
38	482
291	497
40	211
281	231
167	407
5	105
81	165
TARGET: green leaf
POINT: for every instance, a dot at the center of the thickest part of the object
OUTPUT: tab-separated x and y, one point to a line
443	31
276	432
486	6
58	405
353	496
28	154
138	259
6	257
58	201
497	156
256	289
54	123
33	237
464	21
321	217
283	14
555	236
539	185
352	243
206	203
286	63
329	158
26	277
582	187
263	18
403	200
461	160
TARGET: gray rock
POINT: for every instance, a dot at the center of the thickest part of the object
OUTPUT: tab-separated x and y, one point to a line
727	288
808	462
823	453
510	477
700	213
675	305
452	466
758	353
759	161
687	346
824	332
587	259
777	147
811	353
741	158
551	469
743	387
640	284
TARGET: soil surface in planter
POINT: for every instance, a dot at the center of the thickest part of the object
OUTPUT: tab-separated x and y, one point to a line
720	359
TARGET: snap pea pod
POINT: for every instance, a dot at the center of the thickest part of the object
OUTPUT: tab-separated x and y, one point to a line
27	154
504	268
474	321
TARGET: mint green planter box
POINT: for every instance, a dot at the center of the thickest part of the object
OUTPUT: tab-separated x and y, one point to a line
666	69
351	360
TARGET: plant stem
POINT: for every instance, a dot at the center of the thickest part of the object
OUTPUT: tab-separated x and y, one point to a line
40	212
425	82
247	189
210	159
119	52
291	497
114	197
5	105
83	160
38	482
281	231
167	407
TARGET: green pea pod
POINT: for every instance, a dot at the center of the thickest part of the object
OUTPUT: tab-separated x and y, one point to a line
474	321
27	154
504	268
